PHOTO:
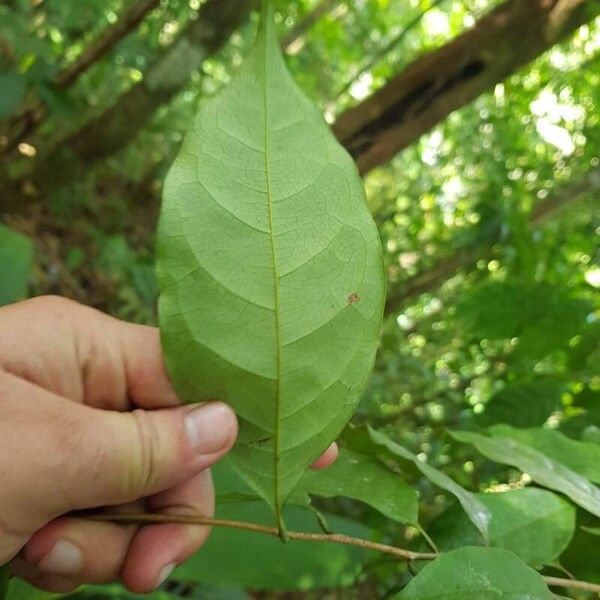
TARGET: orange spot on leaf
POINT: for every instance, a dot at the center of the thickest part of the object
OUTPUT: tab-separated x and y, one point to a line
353	298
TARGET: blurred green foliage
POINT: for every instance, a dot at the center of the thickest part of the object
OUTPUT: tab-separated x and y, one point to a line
494	214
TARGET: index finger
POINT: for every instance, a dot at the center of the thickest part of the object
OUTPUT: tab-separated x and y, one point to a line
147	382
84	355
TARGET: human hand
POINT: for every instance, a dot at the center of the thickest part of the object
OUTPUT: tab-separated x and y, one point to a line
88	419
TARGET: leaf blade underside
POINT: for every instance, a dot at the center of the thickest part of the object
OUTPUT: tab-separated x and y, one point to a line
271	272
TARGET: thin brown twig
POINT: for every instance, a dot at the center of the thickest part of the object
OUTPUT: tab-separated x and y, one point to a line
574	584
335	538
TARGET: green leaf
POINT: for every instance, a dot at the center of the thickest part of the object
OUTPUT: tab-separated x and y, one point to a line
270	270
522	404
59	102
4	582
12	90
542	469
16	260
582	414
581	557
584	354
475	509
542	316
360	477
21	590
581	457
535	524
255	560
118	592
476	574
591	434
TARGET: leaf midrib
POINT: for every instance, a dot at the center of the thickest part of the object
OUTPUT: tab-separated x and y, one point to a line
276	301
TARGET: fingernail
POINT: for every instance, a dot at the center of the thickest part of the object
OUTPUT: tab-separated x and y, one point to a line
209	427
64	559
164	574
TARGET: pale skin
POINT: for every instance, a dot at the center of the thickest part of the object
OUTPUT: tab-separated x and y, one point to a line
88	419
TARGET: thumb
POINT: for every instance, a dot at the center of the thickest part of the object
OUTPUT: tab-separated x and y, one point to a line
62	456
137	454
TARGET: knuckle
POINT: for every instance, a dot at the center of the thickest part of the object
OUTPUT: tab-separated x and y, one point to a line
145	468
53	303
60	310
67	437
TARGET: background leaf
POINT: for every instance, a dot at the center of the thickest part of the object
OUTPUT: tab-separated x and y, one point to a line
581	457
270	271
12	90
4	582
581	557
476	510
116	592
535	524
542	316
543	470
362	478
583	413
584	353
525	404
478	573
16	257
21	590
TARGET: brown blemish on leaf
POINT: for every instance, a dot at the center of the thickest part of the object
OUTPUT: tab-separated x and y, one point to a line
353	298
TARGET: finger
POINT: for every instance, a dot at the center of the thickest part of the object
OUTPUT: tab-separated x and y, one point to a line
157	549
19	567
152	451
79	550
327	458
86	457
147	381
84	355
53	584
125	356
23	570
46	325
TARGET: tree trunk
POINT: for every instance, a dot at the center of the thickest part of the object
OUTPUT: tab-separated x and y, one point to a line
436	84
28	122
131	17
118	125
